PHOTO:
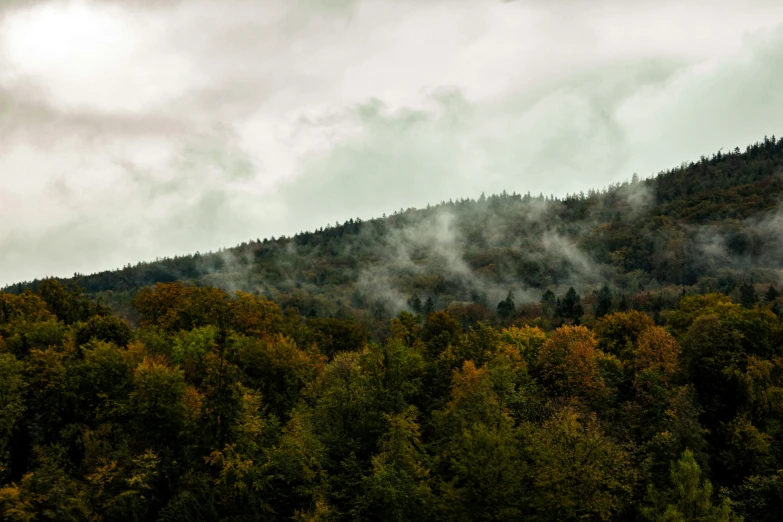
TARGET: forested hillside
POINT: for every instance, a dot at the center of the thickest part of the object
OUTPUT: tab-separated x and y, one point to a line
711	225
222	408
610	356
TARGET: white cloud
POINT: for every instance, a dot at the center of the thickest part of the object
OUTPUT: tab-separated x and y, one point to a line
133	129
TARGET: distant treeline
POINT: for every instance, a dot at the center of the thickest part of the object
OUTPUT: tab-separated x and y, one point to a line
710	225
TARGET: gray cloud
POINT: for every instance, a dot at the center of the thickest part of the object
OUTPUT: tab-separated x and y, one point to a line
194	125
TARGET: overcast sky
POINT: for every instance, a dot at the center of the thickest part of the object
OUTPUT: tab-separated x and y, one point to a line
132	129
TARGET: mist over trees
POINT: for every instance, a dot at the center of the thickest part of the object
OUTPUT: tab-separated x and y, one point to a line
616	355
711	225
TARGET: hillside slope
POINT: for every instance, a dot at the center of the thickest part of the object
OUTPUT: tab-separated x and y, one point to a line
713	225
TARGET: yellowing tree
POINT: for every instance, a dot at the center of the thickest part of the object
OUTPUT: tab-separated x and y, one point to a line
568	364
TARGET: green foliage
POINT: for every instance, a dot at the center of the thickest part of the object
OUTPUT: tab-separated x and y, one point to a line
570	306
311	403
689	497
604	303
506	307
108	329
224	408
12	404
579	473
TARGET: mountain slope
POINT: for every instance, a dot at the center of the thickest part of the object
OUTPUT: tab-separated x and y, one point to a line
711	225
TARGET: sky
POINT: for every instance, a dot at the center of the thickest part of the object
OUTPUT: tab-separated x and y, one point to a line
137	129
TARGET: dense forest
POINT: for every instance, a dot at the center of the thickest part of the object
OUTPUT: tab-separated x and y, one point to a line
708	226
221	407
616	355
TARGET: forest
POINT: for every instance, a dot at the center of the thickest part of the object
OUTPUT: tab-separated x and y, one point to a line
708	226
616	355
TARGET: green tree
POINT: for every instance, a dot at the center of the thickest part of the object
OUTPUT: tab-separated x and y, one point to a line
748	297
397	488
478	452
507	308
570	306
109	329
688	498
604	304
576	472
12	404
415	303
548	303
429	306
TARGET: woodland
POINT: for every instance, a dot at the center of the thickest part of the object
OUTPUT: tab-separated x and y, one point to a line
615	355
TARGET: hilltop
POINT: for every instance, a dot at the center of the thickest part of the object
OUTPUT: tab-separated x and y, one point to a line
709	225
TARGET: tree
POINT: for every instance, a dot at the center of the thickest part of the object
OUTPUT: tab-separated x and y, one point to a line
68	304
478	452
506	307
689	497
748	297
771	294
12	404
576	471
657	352
570	307
548	303
397	488
157	404
109	329
760	498
415	303
618	333
527	340
429	307
568	364
604	303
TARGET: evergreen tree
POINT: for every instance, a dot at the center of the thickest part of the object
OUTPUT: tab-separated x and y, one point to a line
570	307
415	303
429	306
604	304
771	294
748	296
548	303
689	498
506	307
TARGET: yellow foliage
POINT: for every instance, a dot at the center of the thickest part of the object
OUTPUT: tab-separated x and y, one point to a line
568	363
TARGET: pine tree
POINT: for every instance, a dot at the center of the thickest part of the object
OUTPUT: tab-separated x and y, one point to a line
429	306
748	296
506	308
415	303
570	307
548	303
604	304
689	498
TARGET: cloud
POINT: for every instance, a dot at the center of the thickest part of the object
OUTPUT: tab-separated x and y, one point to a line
135	129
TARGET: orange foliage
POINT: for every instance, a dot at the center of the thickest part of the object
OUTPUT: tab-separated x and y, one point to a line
468	382
26	305
657	351
568	363
177	306
256	316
